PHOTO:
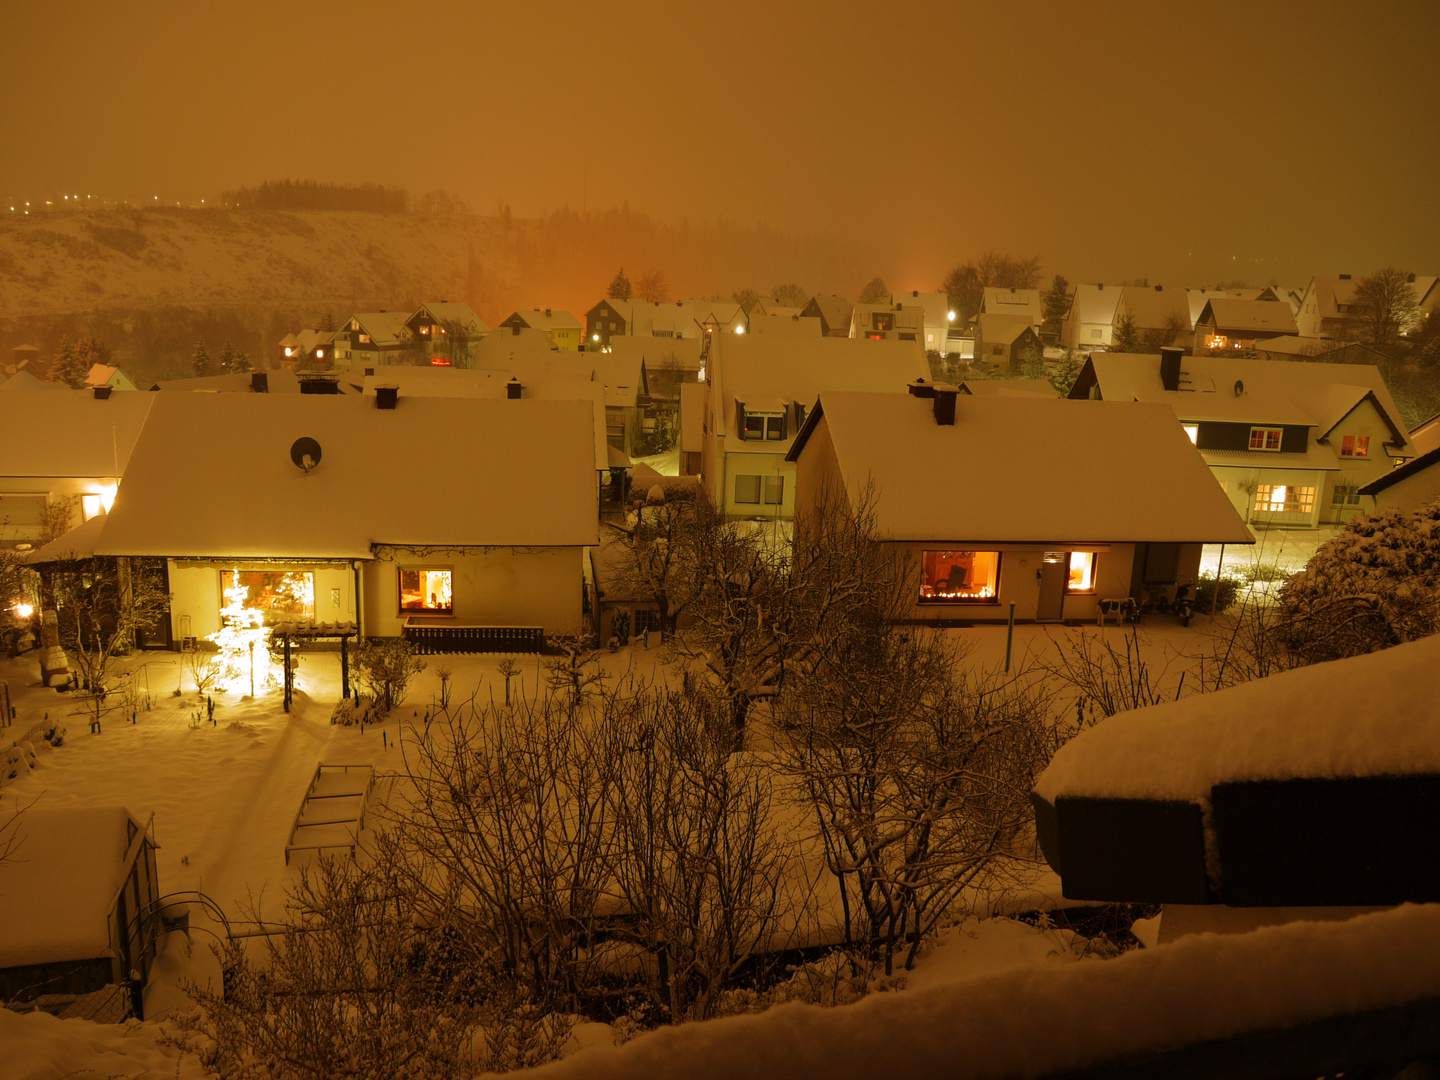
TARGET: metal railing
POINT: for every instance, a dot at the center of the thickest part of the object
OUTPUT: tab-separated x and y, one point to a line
430	639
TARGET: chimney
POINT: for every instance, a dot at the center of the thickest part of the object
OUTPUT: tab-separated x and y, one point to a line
547	312
1410	279
1100	287
1159	288
921	388
1344	277
101	392
315	383
1170	366
513	389
945	396
259	382
387	397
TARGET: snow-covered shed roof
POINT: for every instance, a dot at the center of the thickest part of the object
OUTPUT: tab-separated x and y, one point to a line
1311	722
432	471
546	319
1311	394
657	353
1025	302
835	310
1263	316
78	543
1025	470
70	434
56	890
622	374
768	371
1293	345
452	312
1029	388
1095	303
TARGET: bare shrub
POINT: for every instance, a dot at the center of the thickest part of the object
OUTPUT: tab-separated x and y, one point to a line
386	666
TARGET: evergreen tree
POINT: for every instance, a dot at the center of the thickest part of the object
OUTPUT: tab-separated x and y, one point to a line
200	362
327	323
1057	306
68	366
1065	373
226	358
240	363
619	286
1126	336
1032	361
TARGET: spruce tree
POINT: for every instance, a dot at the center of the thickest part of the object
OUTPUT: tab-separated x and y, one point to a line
200	363
1126	336
1065	373
619	286
68	366
1032	361
240	363
227	358
1056	307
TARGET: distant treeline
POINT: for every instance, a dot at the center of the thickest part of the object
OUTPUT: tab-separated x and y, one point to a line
312	195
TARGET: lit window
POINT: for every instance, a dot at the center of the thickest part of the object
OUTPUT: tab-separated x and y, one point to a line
959	577
427	590
1192	432
1284	498
90	505
364	339
1265	438
1082	572
424	329
281	596
1355	446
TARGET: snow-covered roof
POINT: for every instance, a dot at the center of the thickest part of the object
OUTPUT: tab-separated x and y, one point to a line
78	543
1001	329
1263	316
657	353
70	434
23	380
1024	302
1025	470
56	890
384	327
432	471
1311	394
795	325
1292	345
1029	388
1154	307
277	381
452	312
509	344
1095	303
771	372
834	310
548	319
1313	722
622	374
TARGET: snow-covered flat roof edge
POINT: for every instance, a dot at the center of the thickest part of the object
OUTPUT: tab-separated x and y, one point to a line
1031	1021
1044	543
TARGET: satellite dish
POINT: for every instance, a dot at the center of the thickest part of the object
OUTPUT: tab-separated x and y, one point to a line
305	453
1239	388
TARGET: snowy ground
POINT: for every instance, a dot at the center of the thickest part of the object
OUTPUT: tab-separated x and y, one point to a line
224	797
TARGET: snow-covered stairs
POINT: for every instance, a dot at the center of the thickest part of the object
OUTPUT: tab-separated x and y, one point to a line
332	813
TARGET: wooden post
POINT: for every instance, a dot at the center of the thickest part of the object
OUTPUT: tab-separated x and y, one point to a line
289	676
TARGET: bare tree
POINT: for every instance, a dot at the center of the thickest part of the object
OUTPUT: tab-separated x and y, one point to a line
875	292
657	552
791	295
652	287
1385	305
101	603
966	282
745	298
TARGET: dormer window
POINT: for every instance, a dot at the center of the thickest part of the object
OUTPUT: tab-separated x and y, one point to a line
1266	438
1355	446
364	339
769	427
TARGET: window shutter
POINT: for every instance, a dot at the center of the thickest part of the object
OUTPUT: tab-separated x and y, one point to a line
740	417
784	424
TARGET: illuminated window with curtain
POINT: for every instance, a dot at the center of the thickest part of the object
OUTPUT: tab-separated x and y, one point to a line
1355	446
427	590
1263	438
1082	572
1284	498
282	595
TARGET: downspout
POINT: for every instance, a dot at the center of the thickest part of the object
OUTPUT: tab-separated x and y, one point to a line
359	603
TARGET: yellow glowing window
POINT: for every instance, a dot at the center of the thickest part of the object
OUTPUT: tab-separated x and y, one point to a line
959	577
90	505
1192	432
1265	438
427	590
424	329
1284	498
280	596
1082	572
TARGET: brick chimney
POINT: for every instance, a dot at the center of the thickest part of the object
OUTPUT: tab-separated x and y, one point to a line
259	382
513	389
387	397
101	392
921	388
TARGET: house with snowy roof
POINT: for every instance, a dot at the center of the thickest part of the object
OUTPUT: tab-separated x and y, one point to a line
405	515
562	328
1077	518
612	318
108	376
1291	443
1091	320
881	322
669	362
999	301
308	348
1196	299
937	319
449	331
1002	341
1161	316
370	337
63	449
1242	324
834	312
756	394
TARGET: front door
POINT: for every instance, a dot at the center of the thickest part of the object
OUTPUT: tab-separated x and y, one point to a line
1054	572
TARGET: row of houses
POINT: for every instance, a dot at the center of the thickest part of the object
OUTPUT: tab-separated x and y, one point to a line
446	498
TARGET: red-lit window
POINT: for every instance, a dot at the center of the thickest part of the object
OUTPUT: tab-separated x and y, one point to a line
427	590
1355	446
1265	438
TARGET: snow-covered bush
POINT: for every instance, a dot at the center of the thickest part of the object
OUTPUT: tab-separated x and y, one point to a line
386	666
1215	596
357	710
1374	585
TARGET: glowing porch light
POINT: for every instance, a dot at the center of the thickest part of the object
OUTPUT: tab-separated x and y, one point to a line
23	611
594	337
107	496
950	315
320	353
289	351
739	329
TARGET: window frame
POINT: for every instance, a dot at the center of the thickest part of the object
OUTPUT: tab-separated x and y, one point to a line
1355	446
1264	433
1265	504
759	489
969	601
1070	569
439	613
